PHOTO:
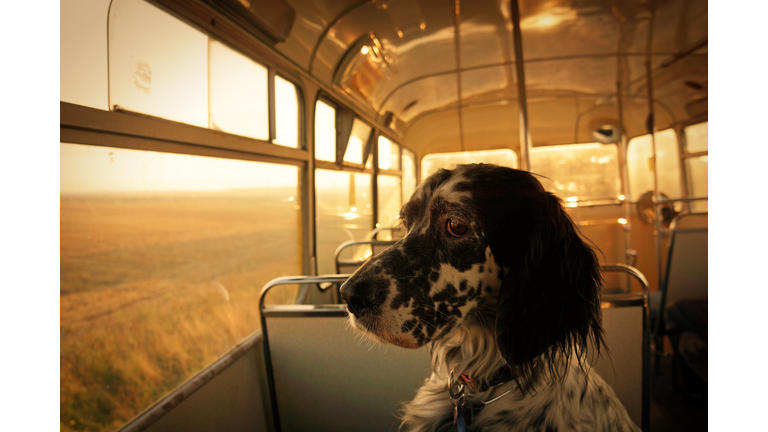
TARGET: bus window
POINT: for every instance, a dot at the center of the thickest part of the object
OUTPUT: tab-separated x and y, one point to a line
286	113
389	154
696	137
344	212
238	93
431	163
579	172
158	65
162	258
697	166
640	165
357	140
390	201
325	132
409	174
83	44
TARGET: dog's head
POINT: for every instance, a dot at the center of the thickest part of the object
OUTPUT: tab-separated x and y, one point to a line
482	235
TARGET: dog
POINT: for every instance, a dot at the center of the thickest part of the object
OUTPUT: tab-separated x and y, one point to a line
494	278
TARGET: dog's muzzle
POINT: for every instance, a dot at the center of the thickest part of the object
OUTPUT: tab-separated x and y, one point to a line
361	297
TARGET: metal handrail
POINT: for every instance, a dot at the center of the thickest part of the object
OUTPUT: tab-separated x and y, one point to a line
689	199
676	220
376	231
646	348
350	243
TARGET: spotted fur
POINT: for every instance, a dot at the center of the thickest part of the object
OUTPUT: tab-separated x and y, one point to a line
492	273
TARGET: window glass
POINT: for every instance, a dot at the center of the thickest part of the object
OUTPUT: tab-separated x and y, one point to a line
83	44
325	132
238	87
157	64
409	174
697	169
389	154
162	258
696	137
578	172
431	163
357	140
344	212
286	113
640	165
390	200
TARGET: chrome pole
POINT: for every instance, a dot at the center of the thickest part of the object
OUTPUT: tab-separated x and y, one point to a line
656	202
627	226
652	131
522	102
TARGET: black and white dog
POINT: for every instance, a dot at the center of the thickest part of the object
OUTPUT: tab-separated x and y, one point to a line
493	276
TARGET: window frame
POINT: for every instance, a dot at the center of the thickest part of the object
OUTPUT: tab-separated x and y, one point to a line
685	154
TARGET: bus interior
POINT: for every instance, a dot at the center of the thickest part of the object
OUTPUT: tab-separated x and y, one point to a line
225	163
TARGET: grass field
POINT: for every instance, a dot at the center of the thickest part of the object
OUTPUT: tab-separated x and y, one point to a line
153	290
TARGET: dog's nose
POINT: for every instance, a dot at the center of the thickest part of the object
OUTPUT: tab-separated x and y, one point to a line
359	299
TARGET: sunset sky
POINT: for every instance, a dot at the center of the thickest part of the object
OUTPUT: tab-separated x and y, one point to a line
97	169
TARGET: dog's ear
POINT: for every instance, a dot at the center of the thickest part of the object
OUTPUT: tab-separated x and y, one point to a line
549	301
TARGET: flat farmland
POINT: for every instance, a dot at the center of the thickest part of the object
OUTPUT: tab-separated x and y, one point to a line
153	290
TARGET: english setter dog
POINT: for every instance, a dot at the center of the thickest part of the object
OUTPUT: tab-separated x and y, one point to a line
492	276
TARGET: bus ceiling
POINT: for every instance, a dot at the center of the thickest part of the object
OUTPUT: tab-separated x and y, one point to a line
442	75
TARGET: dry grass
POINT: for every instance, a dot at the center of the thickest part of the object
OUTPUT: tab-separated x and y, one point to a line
152	291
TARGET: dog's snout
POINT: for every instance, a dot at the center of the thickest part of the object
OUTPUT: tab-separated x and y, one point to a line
359	296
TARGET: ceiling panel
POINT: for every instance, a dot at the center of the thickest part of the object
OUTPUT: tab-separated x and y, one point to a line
413	44
575	52
488	84
312	18
485	33
427	94
585	76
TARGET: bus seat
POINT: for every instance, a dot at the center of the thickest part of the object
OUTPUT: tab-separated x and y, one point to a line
685	276
325	376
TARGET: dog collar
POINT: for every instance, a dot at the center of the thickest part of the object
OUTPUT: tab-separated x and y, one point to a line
503	375
464	411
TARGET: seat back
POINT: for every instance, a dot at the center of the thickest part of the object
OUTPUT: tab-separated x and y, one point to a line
622	367
687	259
325	376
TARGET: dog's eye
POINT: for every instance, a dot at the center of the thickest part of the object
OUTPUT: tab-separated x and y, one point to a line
456	228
